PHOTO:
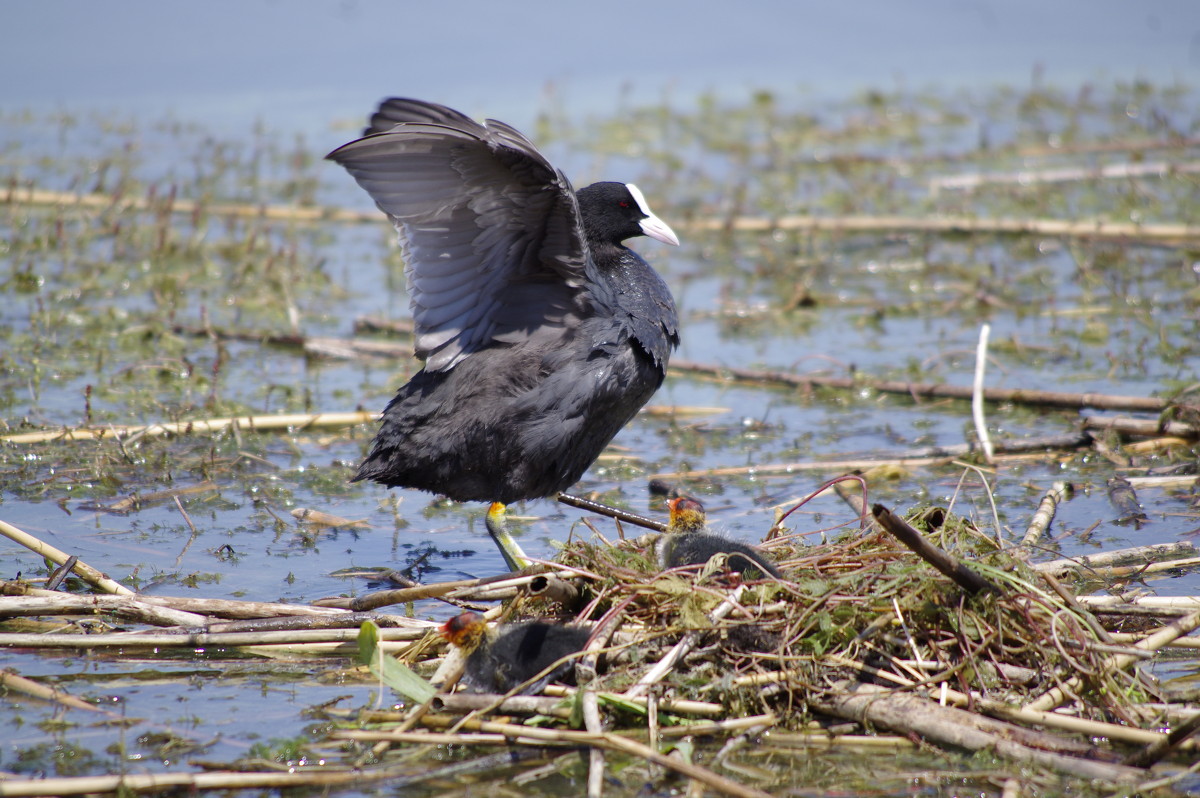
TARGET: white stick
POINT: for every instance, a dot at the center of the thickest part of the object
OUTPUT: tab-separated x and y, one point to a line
977	395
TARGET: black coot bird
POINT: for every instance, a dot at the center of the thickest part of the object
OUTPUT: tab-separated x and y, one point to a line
499	660
542	334
688	542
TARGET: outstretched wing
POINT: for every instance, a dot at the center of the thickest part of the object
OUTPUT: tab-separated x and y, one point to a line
494	247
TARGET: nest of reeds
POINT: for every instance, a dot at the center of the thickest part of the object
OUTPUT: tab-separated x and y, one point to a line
956	647
862	608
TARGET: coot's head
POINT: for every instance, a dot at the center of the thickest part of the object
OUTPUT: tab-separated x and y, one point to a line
687	515
465	631
613	212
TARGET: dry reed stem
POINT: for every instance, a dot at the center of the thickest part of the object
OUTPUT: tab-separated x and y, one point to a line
674	706
1026	177
1059	492
198	639
661	668
260	611
307	515
912	714
20	195
1094	228
923	389
1154	752
1143	427
464	589
122	606
1182	642
768	469
86	572
1138	555
614	742
1153	642
11	680
223	780
300	421
829	740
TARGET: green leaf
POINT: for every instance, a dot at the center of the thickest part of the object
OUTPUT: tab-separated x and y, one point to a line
395	675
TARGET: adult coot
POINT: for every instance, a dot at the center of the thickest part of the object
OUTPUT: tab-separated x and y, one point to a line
501	659
688	542
542	334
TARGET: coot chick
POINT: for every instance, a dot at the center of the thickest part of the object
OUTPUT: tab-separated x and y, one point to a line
542	335
499	660
688	542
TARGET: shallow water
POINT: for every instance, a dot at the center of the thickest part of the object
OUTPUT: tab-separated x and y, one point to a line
91	302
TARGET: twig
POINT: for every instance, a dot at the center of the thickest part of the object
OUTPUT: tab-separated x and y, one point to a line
963	576
85	571
924	389
612	512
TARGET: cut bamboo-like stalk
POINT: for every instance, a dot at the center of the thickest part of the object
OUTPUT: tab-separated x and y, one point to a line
57	556
1047	507
1182	604
11	680
1137	555
912	714
123	606
257	423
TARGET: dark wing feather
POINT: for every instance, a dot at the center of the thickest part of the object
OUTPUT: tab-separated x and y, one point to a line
400	110
494	247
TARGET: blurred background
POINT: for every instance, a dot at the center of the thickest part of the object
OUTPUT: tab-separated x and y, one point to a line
302	65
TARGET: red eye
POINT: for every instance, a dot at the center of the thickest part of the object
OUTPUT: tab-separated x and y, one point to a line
623	204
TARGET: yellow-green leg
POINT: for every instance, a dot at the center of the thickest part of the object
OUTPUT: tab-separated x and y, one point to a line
497	527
